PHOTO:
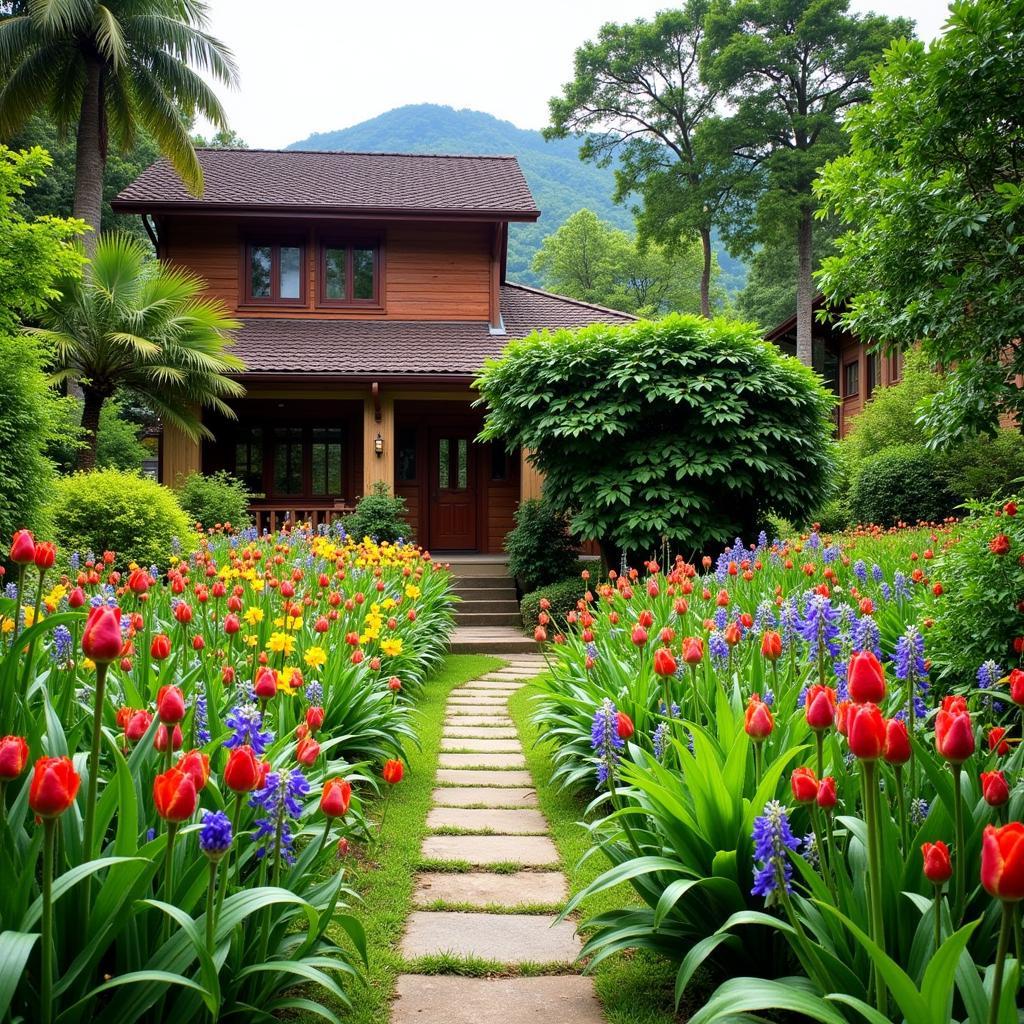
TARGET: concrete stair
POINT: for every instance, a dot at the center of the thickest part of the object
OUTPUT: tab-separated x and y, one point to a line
487	619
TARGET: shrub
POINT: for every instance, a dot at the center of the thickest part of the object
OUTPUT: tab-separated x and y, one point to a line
901	484
122	512
380	514
683	430
215	500
540	549
563	595
117	447
985	467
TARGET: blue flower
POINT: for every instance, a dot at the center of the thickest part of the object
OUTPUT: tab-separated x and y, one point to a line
313	692
659	739
61	645
215	834
860	570
721	618
75	561
718	648
876	573
279	800
246	724
819	625
605	739
200	721
773	839
989	674
909	659
866	636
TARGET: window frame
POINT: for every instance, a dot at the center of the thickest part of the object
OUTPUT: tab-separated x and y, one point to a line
349	243
853	364
872	373
275	245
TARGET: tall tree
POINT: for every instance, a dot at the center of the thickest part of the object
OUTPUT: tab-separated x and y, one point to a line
137	324
791	70
933	189
637	96
108	70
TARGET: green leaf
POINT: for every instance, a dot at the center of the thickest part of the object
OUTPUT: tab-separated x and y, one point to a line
15	949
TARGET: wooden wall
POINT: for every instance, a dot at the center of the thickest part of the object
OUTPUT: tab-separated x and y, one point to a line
889	370
179	456
430	271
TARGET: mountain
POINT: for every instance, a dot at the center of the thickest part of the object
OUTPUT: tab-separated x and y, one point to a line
561	183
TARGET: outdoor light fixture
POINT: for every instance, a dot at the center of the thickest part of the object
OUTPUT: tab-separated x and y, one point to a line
378	445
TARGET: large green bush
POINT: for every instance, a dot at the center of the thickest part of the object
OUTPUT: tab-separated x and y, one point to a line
540	549
381	515
215	500
901	484
562	594
122	512
682	430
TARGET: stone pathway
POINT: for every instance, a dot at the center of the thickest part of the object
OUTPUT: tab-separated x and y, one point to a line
491	888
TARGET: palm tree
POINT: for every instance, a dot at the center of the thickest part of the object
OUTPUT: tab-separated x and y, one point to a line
110	69
136	323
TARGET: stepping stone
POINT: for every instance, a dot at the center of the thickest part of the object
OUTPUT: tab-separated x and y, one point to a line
512	823
479	733
528	851
469	777
483	888
482	760
514	939
455	718
494	691
485	796
440	999
474	701
490	683
482	746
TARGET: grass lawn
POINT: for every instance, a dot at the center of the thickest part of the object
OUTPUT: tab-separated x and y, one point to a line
635	987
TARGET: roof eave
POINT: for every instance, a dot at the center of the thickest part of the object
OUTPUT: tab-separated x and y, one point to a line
284	377
203	208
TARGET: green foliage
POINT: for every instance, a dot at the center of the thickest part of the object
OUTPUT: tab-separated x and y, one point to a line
985	467
540	548
933	253
683	429
118	445
901	484
215	500
588	259
977	619
563	594
122	512
380	515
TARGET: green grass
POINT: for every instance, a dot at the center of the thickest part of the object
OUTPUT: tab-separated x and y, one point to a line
635	987
386	883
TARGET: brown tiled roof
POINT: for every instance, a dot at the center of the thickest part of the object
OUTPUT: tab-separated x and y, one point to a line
400	347
295	180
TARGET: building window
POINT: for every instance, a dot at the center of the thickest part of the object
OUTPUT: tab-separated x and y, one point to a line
870	374
405	458
249	460
274	274
499	462
288	453
349	274
851	379
328	460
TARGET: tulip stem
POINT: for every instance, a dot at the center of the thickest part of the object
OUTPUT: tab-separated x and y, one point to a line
823	858
1005	927
172	831
46	978
211	893
89	827
961	853
901	803
323	840
820	744
938	917
870	784
757	765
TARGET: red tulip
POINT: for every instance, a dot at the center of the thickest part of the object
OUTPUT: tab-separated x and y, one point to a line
265	687
165	738
242	773
624	725
170	705
174	795
897	742
758	719
693	650
937	868
771	645
232	624
865	678
827	793
160	648
101	639
196	764
54	786
540	635
865	731
954	733
314	718
994	788
136	726
393	772
13	757
804	785
664	663
820	706
307	750
336	797
23	548
732	634
639	636
646	618
997	741
1017	687
1002	861
76	598
45	556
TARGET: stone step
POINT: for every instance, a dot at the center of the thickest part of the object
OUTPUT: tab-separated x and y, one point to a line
481	733
516	760
480	588
480	851
515	939
488	796
492	700
487	618
491	683
454	719
467	568
498	640
484	888
513	823
481	777
488	601
481	746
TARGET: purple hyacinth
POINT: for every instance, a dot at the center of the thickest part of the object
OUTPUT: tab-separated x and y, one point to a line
860	570
659	738
773	841
819	625
215	834
61	645
989	673
866	636
313	692
246	724
605	740
201	722
718	648
721	618
279	799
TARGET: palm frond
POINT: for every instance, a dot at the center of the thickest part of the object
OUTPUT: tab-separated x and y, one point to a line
109	37
187	88
18	35
60	16
154	31
29	83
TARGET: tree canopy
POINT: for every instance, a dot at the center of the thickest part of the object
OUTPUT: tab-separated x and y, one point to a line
932	193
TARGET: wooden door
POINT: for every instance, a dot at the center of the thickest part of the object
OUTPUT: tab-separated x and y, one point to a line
453	497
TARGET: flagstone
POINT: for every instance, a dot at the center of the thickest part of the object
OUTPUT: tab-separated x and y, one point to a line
516	760
517	822
515	939
490	683
478	721
482	777
529	851
475	701
482	746
479	732
480	888
487	796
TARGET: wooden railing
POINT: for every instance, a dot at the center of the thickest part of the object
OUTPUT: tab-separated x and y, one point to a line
276	515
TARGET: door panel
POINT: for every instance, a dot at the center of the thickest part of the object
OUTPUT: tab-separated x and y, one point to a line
453	497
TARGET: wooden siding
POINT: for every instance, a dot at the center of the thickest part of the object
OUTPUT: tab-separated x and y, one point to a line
378	468
888	370
179	456
430	271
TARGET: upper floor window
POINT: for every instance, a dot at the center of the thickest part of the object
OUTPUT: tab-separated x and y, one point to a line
349	274
274	273
851	379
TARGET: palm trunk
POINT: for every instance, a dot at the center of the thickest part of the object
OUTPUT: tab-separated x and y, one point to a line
92	407
804	290
90	156
705	274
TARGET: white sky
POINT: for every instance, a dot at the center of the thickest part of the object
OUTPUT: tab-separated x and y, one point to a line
319	65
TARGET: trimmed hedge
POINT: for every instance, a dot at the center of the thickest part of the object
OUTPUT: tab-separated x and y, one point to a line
563	595
540	549
215	500
901	484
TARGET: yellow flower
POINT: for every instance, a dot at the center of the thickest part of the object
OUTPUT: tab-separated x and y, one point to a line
281	642
253	615
252	639
285	679
257	583
389	603
7	625
30	615
293	622
315	657
411	590
391	646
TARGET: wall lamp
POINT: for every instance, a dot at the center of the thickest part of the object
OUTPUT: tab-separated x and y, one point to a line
378	445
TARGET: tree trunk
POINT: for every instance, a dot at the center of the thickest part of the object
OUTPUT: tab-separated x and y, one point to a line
92	407
90	155
804	289
705	274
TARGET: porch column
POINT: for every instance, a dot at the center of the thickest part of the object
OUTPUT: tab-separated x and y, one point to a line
378	467
179	456
530	480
